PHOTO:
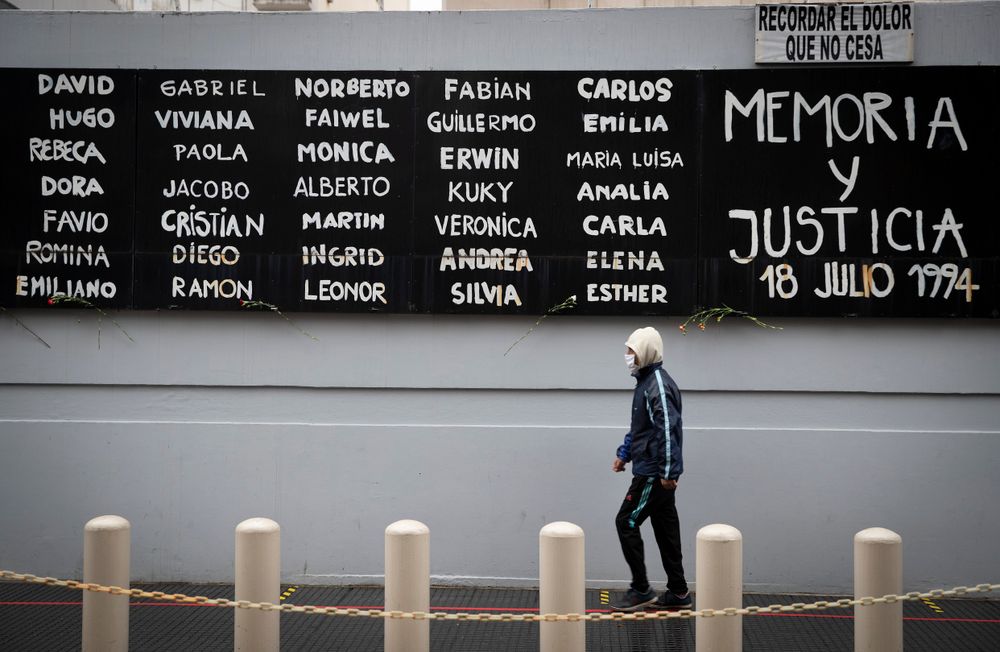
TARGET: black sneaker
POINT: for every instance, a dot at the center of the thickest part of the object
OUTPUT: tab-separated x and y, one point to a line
670	600
633	600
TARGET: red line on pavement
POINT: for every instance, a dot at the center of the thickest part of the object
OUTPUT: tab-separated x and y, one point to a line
39	604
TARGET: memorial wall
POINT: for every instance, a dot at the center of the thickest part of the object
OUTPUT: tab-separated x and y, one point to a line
795	192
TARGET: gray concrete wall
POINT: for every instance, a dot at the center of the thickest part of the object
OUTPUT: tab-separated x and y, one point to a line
799	437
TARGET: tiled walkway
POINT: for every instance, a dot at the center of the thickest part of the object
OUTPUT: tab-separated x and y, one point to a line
46	619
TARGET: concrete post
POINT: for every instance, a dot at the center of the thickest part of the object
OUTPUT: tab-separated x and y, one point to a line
258	579
106	558
407	585
719	583
562	586
878	571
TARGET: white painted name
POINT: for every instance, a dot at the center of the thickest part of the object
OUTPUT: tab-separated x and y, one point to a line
225	120
479	191
336	256
68	151
347	220
645	191
483	293
221	223
385	89
46	286
336	118
36	251
90	117
215	288
75	186
594	123
625	260
478	123
330	290
480	158
75	84
209	152
210	88
625	90
74	221
501	225
626	293
345	152
209	189
624	225
495	89
342	187
510	259
205	254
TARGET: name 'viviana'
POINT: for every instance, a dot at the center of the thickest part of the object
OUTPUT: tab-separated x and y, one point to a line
214	120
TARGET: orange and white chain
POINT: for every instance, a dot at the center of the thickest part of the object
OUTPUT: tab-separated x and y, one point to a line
503	617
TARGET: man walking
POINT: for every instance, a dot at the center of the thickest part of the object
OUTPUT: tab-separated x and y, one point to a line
653	446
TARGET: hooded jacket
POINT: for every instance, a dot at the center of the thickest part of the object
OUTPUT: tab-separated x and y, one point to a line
653	443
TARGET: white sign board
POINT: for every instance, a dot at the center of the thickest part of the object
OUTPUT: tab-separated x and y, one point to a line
834	33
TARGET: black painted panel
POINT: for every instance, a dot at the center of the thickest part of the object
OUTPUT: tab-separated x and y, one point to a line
507	192
924	143
68	151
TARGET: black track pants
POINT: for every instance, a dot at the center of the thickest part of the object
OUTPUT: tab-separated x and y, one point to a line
647	498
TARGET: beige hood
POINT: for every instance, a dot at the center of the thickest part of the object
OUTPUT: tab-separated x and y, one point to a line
647	344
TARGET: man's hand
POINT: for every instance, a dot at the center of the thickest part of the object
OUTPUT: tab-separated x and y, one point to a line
618	465
668	484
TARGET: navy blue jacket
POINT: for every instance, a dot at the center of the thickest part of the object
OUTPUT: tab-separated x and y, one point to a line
653	443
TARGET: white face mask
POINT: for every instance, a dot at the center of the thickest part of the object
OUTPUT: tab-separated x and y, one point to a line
630	363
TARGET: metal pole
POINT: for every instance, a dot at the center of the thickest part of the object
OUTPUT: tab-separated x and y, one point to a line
258	579
562	587
407	585
106	556
878	571
719	583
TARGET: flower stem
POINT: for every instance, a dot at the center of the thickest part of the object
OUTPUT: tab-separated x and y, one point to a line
263	305
567	304
22	325
702	317
80	301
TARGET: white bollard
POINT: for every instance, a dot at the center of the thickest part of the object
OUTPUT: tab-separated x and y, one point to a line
106	556
562	587
719	584
258	579
407	585
878	571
